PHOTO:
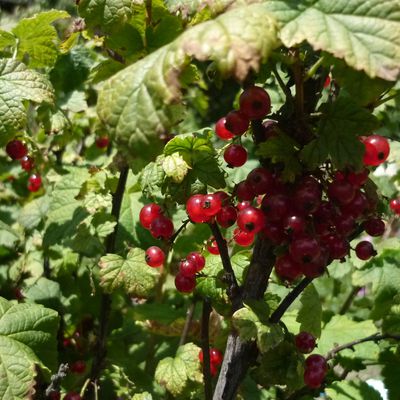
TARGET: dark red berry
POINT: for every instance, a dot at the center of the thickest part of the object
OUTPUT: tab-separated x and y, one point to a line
27	163
377	150
305	342
286	268
78	367
223	196
16	149
244	191
235	155
213	369
344	224
260	180
269	130
54	395
342	192
357	206
198	259
275	207
305	249
337	246
374	227
295	224
227	216
187	268
162	228
316	361
185	284
243	238
221	130
216	356
251	220
395	205
313	377
307	198
236	122
274	232
358	178
102	142
211	204
255	103
154	256
316	268
148	214
212	246
365	250
243	204
34	182
72	396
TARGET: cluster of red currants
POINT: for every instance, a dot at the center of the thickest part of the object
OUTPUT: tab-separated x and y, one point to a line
185	280
216	358
17	150
316	366
254	104
161	227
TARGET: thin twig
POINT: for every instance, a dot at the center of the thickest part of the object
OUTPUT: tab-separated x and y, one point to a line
188	322
288	300
314	68
233	286
56	379
176	234
349	300
384	100
282	85
205	346
299	83
372	338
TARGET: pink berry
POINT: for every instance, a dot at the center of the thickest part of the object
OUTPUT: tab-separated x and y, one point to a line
198	259
162	228
185	284
148	214
187	268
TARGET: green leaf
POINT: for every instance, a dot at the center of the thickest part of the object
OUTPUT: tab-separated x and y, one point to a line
7	39
353	390
106	15
37	40
282	149
17	83
27	337
130	273
66	212
365	34
45	292
33	212
341	124
174	373
340	330
310	312
143	101
390	373
8	237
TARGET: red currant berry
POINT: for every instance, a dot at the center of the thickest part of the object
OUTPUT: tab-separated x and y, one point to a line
148	214
236	122
374	227
212	246
342	192
185	284
325	212
358	178
316	361
305	249
243	238
307	198
275	207
295	224
395	205
102	142
221	130
72	396
16	149
327	82
313	377
162	228
223	196
314	269
305	342
201	356
227	216
269	130
216	356
244	204
235	155
365	250
78	367
34	182
187	268
260	180
67	342
213	369
198	260
376	150
211	204
27	163
244	191
357	206
255	103
337	246
54	395
286	268
251	220
194	209
344	224
154	257
275	233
